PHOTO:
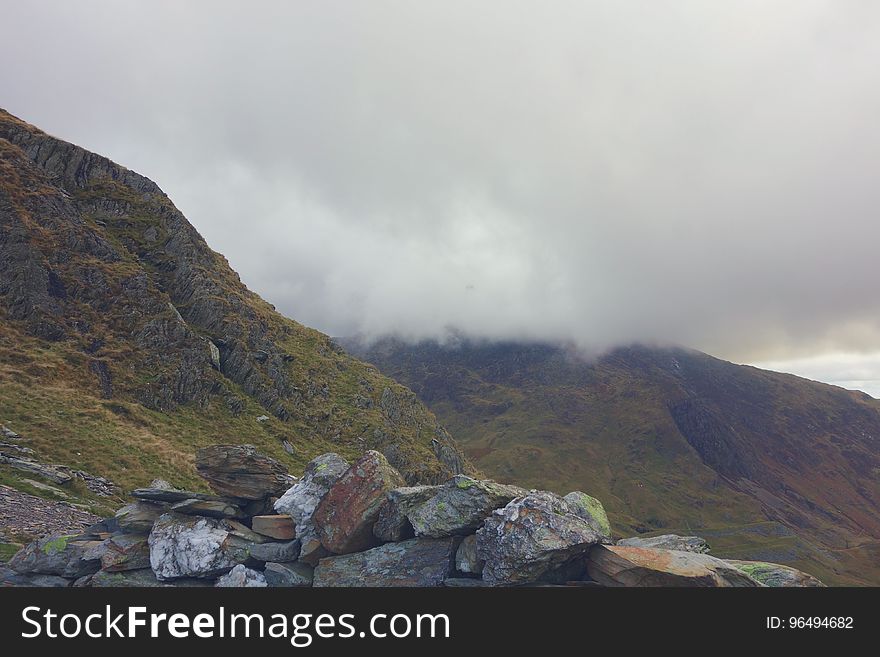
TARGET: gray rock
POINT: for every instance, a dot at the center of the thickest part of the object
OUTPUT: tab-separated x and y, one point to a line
8	433
125	552
280	552
289	574
532	538
463	582
55	474
590	509
466	559
460	506
64	555
393	524
139	516
144	578
172	496
208	508
774	574
668	542
242	577
416	562
241	471
301	499
189	546
215	355
618	565
9	577
345	516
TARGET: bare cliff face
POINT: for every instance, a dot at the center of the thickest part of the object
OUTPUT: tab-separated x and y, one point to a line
126	342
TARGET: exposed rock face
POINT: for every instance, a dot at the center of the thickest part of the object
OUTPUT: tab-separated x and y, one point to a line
615	565
241	471
460	506
393	523
416	562
774	574
301	499
241	577
668	542
531	538
345	516
187	546
288	575
58	554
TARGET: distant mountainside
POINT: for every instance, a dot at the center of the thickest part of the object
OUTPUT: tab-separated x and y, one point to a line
764	464
126	343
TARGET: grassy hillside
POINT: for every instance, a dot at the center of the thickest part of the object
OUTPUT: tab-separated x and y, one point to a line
126	342
762	464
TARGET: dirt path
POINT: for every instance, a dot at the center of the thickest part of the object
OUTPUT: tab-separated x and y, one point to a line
25	516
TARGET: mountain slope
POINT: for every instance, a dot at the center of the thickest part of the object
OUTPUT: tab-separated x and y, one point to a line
126	343
669	439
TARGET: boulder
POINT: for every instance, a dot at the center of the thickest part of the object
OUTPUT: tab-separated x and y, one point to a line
460	506
301	499
534	538
591	510
241	577
241	471
138	517
172	495
392	523
668	542
466	559
618	565
345	517
774	574
415	562
282	552
189	546
289	575
64	555
208	508
279	526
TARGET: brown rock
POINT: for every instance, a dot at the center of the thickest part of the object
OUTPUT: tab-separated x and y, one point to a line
280	527
241	471
345	517
615	565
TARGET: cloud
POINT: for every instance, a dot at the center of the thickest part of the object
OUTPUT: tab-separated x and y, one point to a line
602	171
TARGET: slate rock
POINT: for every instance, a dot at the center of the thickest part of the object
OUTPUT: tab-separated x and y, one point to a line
345	516
139	516
143	578
289	575
460	506
668	542
241	471
466	559
618	565
9	577
208	508
125	552
537	537
277	526
415	562
64	555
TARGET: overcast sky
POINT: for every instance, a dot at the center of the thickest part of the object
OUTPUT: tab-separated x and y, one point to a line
704	173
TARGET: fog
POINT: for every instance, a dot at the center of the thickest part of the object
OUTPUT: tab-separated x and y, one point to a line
691	172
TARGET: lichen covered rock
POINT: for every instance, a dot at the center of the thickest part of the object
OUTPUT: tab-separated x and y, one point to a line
774	574
63	555
668	542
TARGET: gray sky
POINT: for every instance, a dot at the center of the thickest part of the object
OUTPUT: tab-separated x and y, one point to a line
704	173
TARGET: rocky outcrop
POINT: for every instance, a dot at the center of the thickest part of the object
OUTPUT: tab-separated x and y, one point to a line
668	542
345	516
535	538
615	565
